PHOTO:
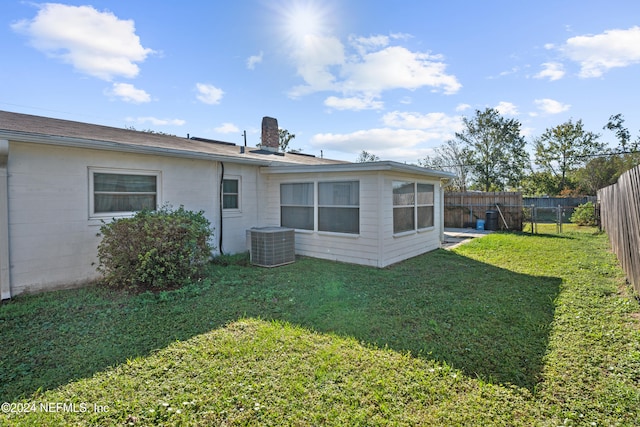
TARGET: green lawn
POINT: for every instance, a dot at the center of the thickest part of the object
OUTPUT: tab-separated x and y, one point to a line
506	330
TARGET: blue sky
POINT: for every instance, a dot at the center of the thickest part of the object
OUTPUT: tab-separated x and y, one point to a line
390	77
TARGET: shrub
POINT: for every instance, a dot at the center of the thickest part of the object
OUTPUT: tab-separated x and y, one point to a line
155	250
584	214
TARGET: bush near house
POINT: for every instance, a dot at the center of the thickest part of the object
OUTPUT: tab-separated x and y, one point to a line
155	250
584	214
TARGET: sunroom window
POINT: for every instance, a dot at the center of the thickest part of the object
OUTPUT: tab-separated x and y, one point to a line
296	205
424	203
339	207
403	206
413	205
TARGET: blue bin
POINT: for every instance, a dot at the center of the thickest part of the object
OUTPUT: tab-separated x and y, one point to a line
480	224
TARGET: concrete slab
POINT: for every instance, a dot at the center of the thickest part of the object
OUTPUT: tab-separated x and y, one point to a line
454	237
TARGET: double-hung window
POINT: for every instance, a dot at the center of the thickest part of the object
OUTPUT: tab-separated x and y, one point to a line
339	207
230	194
412	206
424	204
296	205
404	198
116	192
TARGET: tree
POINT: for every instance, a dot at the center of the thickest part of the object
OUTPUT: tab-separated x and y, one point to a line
627	149
453	157
564	148
598	173
615	124
365	156
284	138
605	170
498	158
540	183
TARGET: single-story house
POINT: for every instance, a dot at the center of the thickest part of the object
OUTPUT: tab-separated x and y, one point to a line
59	180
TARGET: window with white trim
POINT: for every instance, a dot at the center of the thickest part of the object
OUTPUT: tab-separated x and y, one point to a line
231	194
117	192
296	205
336	207
403	206
424	205
339	207
413	206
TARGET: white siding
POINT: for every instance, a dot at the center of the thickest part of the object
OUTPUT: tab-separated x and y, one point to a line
53	243
358	249
235	223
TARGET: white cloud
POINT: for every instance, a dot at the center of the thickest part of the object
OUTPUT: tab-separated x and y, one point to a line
439	123
396	67
404	135
157	122
552	71
353	103
599	53
551	106
507	108
314	60
370	68
401	36
227	128
513	70
253	60
128	93
462	107
208	94
95	43
388	144
368	44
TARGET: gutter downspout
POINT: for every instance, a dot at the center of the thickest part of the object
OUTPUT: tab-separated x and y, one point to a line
5	267
221	205
443	184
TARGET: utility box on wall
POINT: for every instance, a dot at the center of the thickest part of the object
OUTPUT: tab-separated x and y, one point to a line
272	246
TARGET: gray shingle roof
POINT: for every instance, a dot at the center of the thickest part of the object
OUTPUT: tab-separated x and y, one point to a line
17	126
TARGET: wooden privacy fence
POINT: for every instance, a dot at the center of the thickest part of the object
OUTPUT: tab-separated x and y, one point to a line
464	209
620	218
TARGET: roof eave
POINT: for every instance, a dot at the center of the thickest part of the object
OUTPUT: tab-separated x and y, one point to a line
358	167
122	147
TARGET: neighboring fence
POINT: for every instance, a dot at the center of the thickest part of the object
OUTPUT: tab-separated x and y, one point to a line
620	216
464	209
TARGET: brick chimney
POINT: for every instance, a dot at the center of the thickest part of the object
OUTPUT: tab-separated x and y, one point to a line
270	135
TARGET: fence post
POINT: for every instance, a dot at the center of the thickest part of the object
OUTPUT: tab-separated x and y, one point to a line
559	220
533	213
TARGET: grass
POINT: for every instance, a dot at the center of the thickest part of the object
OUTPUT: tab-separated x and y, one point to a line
505	330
